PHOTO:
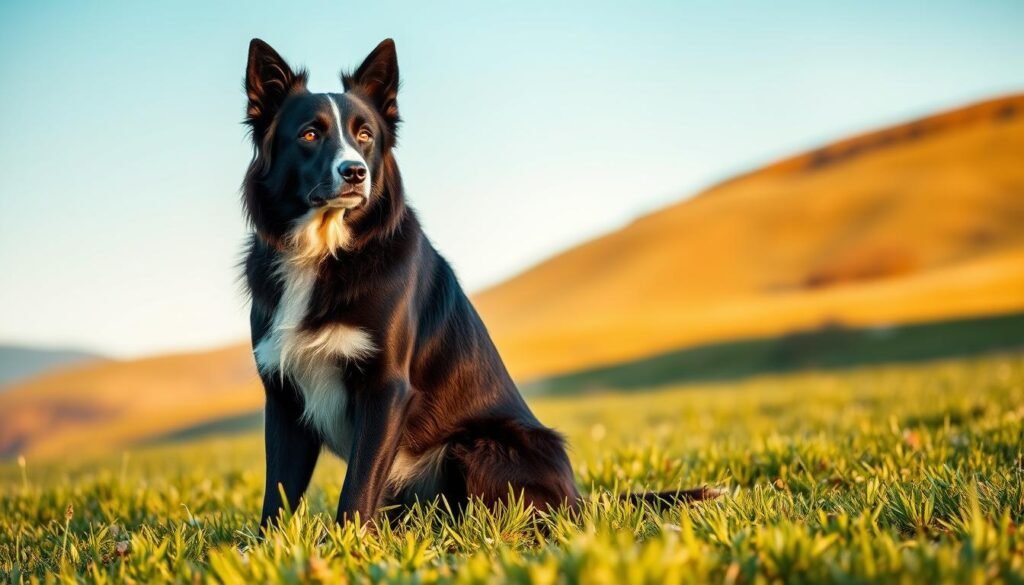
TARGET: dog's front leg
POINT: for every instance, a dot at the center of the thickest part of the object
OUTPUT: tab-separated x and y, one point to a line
379	418
292	448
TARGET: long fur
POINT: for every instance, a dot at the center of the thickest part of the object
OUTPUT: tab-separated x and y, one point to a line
365	341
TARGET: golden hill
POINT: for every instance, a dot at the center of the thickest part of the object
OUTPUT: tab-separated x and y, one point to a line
917	222
96	407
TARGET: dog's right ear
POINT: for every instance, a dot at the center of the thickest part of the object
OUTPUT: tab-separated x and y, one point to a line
268	81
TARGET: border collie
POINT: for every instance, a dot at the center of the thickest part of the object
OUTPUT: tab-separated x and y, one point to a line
364	340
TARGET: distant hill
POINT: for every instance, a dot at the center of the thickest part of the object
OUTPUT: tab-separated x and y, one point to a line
120	403
20	362
921	222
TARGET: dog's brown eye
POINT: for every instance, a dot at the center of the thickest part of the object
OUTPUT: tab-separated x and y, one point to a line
364	135
310	136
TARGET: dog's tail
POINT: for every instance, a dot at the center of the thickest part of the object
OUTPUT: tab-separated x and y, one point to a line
662	500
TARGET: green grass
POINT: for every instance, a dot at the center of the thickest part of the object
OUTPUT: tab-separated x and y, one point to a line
908	474
831	346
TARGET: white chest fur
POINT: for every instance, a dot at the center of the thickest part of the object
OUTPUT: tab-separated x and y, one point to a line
313	360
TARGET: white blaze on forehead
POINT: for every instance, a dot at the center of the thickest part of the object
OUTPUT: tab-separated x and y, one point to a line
346	151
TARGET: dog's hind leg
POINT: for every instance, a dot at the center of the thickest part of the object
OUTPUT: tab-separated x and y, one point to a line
514	458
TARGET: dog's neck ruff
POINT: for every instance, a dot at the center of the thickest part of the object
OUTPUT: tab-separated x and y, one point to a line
318	234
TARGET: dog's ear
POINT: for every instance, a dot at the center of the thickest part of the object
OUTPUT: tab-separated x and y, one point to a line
268	81
377	79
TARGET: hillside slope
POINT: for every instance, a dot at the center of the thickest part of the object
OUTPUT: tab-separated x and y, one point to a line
918	222
96	407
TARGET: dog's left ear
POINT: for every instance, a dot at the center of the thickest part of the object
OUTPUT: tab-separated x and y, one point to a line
377	79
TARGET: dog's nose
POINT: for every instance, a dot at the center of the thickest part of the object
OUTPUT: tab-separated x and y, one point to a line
352	172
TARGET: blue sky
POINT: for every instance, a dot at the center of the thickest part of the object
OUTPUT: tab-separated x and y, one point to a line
530	126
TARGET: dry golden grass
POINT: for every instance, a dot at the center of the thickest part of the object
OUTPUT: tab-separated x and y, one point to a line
918	222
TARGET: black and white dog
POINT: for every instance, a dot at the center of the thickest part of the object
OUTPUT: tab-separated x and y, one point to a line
364	340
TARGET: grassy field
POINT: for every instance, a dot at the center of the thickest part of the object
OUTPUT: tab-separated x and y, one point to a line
909	474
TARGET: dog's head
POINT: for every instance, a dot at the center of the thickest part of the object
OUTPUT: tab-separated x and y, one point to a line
321	160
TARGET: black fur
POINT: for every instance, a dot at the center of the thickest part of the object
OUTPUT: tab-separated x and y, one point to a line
436	379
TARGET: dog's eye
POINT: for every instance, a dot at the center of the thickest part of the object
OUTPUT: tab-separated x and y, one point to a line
364	135
309	136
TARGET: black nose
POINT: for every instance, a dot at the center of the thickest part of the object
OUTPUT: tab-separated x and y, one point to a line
352	172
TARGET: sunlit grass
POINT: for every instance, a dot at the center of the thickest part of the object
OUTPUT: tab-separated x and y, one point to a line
901	474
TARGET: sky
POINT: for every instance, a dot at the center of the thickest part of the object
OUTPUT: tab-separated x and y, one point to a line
529	127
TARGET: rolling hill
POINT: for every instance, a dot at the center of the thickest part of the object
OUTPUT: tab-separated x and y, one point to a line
95	407
916	223
923	221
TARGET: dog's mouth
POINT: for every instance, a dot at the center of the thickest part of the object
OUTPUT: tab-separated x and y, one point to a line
348	200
